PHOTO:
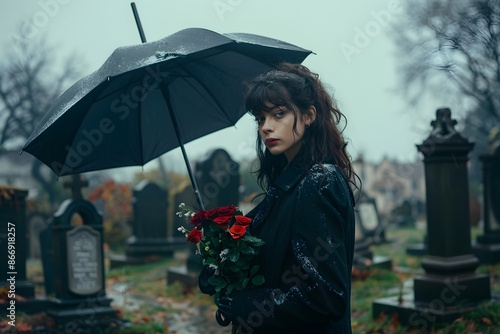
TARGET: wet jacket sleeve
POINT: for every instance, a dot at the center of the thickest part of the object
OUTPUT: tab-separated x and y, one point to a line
318	285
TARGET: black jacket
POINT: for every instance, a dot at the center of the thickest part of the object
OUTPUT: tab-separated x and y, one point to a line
307	222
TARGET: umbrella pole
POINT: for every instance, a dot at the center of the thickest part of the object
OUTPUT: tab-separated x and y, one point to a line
166	96
138	22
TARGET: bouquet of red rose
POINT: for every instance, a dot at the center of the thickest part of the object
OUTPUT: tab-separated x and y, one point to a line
225	245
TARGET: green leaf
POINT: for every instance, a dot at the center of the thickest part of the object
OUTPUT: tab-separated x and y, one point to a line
254	270
248	250
250	238
230	288
242	265
254	240
209	260
234	269
258	243
216	280
234	255
245	282
258	280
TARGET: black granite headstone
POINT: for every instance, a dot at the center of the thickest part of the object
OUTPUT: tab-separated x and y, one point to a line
449	287
218	178
487	247
13	254
37	222
79	300
150	237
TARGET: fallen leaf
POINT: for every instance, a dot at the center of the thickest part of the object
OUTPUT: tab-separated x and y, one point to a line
395	320
381	317
23	327
487	321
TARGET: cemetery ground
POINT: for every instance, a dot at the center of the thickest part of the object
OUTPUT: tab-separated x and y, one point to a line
149	305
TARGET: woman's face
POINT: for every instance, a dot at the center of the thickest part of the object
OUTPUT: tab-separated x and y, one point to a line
277	132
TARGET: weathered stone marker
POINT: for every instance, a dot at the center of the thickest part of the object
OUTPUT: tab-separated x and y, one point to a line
369	230
449	285
79	284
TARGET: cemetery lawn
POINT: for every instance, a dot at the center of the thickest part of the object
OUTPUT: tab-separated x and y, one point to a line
149	305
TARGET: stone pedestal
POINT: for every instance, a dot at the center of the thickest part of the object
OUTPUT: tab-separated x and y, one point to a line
449	285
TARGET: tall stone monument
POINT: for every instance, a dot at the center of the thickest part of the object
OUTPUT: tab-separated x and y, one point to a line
487	247
449	287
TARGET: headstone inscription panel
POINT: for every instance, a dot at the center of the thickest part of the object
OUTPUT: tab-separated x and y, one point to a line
84	262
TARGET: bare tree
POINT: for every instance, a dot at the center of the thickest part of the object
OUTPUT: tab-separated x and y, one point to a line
453	47
30	82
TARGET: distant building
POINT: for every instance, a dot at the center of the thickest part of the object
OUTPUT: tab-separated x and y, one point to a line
391	182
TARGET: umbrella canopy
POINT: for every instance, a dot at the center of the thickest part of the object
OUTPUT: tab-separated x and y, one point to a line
121	115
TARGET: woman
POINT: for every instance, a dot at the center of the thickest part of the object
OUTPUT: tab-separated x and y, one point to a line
306	218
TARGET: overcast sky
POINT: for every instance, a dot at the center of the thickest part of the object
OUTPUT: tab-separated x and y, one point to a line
354	55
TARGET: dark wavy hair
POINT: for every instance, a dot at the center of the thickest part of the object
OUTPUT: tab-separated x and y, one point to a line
295	87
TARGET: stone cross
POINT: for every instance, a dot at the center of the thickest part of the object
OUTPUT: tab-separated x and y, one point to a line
76	184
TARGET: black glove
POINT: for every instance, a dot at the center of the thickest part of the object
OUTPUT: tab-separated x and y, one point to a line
205	287
224	314
225	305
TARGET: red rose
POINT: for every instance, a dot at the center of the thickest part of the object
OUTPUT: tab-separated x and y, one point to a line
242	220
198	217
237	231
228	210
194	236
222	222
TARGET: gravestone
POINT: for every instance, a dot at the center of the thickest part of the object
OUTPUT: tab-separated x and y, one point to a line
368	231
487	246
37	222
404	215
449	287
46	240
218	179
79	300
150	238
13	254
418	249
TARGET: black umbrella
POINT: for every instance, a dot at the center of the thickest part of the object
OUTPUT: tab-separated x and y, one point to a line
149	98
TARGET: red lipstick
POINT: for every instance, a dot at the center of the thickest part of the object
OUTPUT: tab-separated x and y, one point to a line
271	141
